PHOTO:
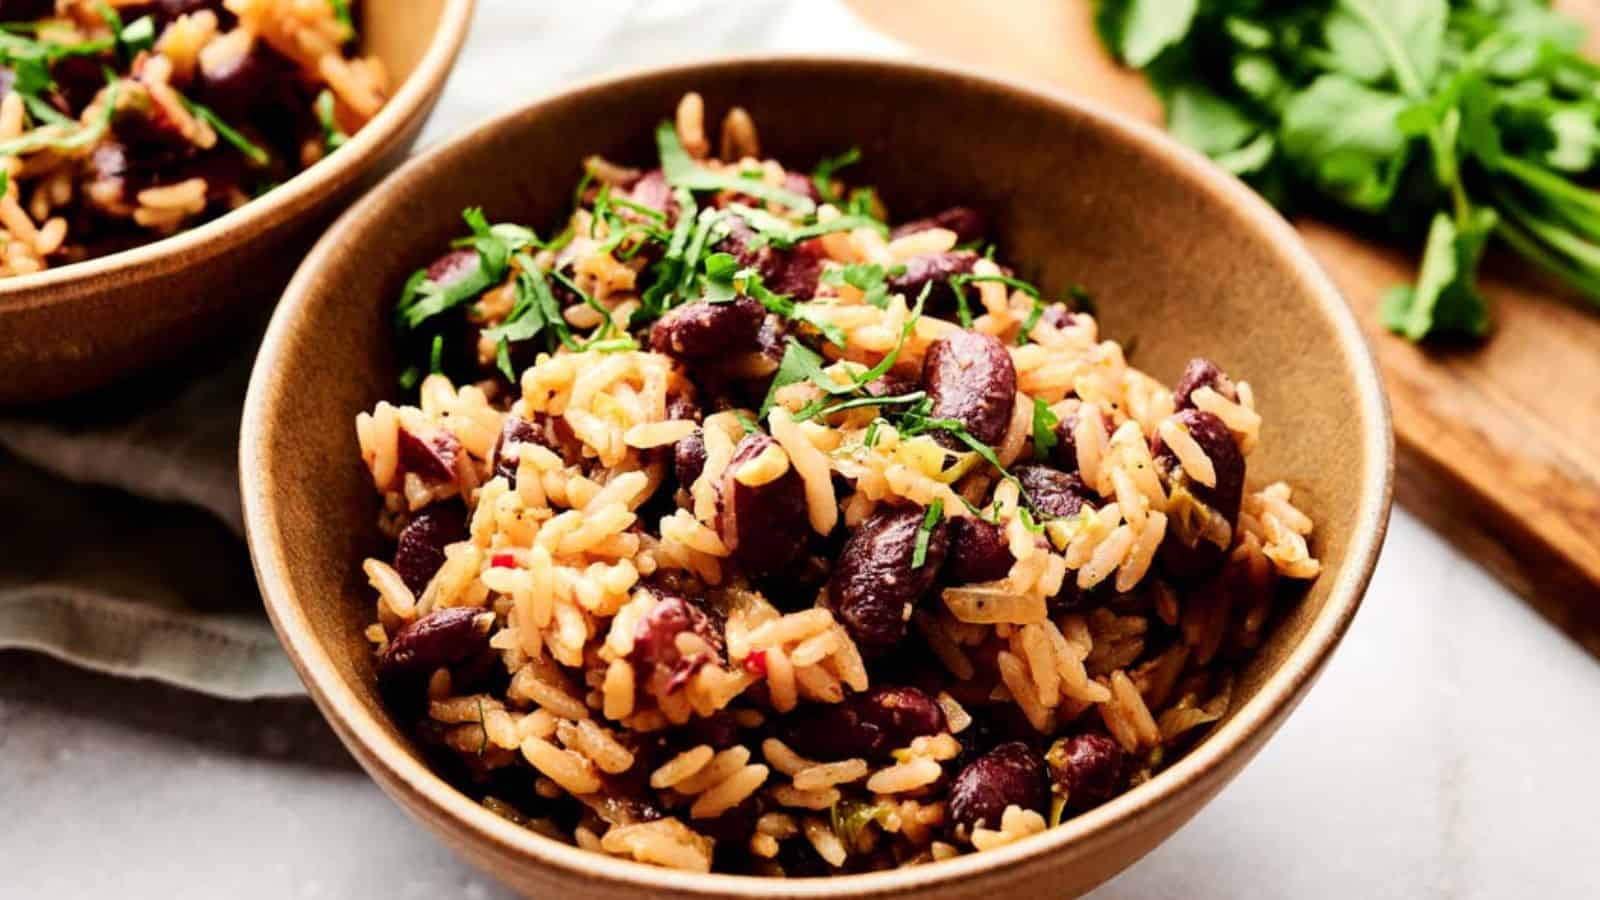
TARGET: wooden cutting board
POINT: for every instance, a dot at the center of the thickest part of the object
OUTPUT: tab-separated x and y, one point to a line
1499	444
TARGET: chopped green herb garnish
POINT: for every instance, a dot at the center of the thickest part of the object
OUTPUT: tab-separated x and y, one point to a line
138	36
341	11
822	175
85	136
612	345
748	424
31	59
850	817
681	171
42	112
930	521
606	324
243	144
333	137
870	438
806	364
869	278
780	232
1044	430
436	356
1080	300
807	313
822	409
864	202
422	299
801	363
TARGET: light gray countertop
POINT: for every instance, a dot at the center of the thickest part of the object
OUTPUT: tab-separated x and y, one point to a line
1449	751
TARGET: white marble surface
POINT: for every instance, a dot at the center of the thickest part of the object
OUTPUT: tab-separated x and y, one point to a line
1448	752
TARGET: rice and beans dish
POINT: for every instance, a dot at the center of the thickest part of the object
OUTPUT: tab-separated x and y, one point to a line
735	529
124	121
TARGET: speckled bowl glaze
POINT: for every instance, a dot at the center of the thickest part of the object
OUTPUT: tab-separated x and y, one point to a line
69	329
1176	253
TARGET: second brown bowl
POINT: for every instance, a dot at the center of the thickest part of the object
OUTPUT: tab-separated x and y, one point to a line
66	330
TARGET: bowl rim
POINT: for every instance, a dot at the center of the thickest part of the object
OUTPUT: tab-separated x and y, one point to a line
416	787
302	191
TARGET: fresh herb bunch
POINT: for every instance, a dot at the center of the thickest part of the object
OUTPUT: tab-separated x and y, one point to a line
1459	120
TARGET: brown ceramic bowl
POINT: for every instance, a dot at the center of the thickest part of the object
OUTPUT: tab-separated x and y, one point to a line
1177	254
69	329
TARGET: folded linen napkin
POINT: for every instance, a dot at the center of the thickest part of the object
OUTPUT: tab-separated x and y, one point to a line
120	531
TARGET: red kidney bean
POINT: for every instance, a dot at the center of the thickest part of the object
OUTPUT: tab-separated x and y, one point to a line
891	384
655	653
441	638
970	378
1065	453
420	550
1053	492
432	457
240	86
689	459
683	402
869	725
698	331
1086	768
800	183
150	130
1057	315
965	221
653	191
978	552
457	265
1199	373
78	79
874	586
765	526
111	163
1009	775
1185	553
935	269
792	271
515	433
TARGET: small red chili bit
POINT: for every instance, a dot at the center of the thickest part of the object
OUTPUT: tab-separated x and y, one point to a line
756	663
503	561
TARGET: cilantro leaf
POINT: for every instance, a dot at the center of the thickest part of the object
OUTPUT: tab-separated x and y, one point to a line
1344	138
681	171
1139	30
1444	300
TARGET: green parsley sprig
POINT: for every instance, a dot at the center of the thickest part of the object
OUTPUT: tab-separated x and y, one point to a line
1448	123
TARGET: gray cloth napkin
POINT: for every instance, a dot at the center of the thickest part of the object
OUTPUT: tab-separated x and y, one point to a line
120	535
